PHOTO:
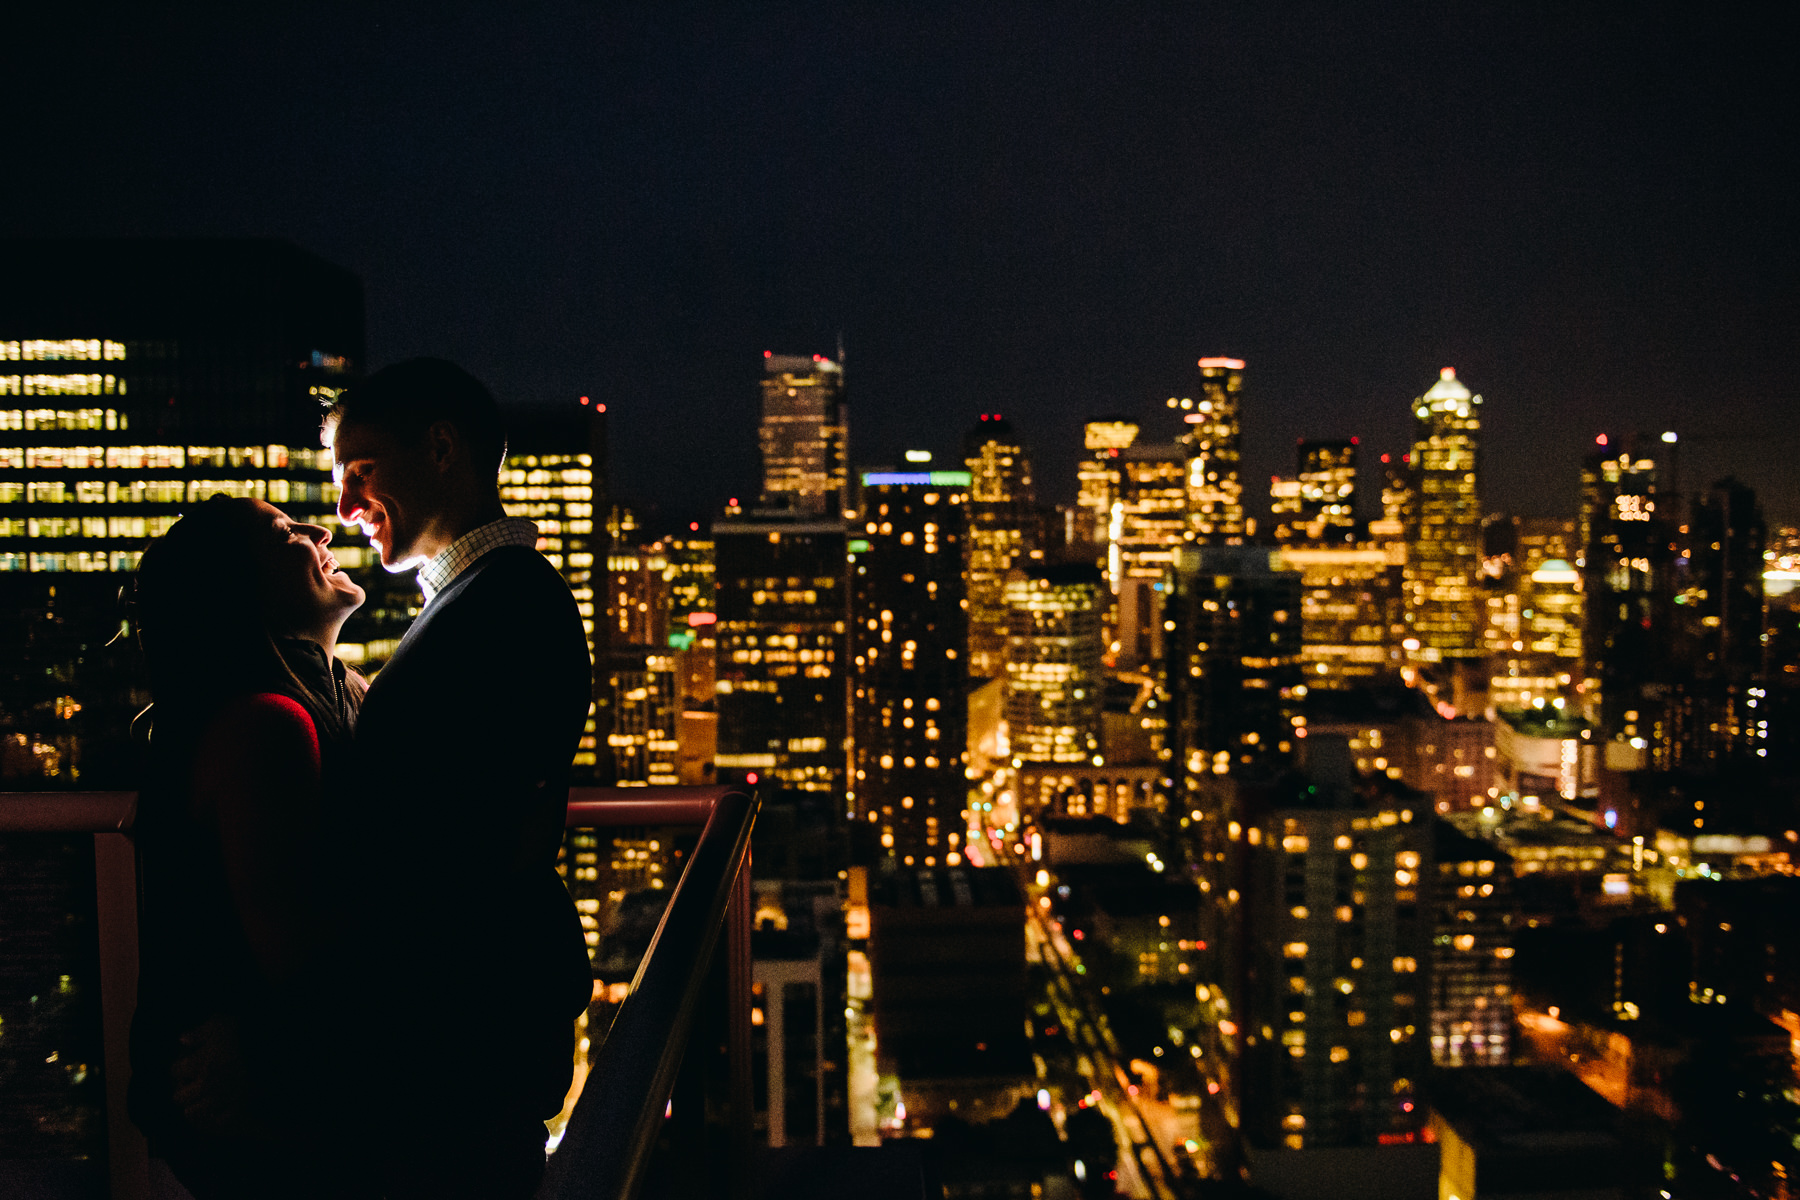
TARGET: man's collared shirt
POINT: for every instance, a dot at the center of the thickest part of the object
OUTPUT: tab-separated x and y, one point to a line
442	569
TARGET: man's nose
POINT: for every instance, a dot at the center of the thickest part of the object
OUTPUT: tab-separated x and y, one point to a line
348	505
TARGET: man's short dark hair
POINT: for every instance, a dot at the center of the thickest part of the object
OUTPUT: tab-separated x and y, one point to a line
407	398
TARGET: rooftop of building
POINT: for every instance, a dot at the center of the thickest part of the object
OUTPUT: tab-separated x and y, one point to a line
1525	1112
1061	574
944	887
1544	723
1453	845
1375	705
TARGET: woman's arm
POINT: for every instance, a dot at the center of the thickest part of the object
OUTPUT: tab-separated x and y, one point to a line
257	780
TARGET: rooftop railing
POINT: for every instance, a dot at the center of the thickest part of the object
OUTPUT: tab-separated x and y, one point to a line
613	1132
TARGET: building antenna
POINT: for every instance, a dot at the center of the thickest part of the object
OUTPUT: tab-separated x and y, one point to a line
840	347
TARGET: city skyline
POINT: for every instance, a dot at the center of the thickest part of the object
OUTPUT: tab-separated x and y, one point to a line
1050	219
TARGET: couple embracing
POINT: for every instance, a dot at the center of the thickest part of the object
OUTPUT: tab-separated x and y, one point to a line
359	965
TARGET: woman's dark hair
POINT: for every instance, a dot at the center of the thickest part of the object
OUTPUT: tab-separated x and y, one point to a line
407	398
197	607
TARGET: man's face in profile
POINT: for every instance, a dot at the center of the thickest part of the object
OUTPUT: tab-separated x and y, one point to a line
389	488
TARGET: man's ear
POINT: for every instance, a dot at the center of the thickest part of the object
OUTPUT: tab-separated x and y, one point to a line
443	443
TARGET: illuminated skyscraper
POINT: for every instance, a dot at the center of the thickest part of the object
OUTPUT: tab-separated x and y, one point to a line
1054	684
1215	494
1319	502
1443	611
555	475
1350	609
999	515
909	639
781	663
1097	476
805	435
136	379
1149	527
1628	528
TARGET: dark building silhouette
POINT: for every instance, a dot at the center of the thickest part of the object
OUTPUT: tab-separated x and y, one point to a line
947	965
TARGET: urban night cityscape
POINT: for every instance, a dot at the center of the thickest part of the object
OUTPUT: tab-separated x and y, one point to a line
1247	559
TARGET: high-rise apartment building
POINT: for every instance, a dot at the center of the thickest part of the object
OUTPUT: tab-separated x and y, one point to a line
909	641
138	378
1054	685
805	435
1318	503
781	653
1000	518
1317	1018
1443	561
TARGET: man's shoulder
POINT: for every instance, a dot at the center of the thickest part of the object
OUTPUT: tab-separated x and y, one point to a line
507	574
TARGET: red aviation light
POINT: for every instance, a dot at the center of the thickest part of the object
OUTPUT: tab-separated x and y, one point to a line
584	399
1601	440
768	354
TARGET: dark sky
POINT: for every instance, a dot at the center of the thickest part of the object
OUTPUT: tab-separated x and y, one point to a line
1049	211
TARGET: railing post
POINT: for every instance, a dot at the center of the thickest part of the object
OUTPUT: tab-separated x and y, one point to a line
738	970
116	918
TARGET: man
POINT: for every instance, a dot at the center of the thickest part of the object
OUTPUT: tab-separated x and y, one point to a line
476	964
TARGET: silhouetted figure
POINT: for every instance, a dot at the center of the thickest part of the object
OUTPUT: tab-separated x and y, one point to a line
475	962
237	608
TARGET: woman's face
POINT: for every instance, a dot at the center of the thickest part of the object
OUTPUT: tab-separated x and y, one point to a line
303	589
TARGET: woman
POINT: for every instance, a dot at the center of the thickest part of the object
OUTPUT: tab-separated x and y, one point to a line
238	609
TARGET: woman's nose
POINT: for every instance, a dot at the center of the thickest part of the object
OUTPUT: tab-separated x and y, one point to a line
318	533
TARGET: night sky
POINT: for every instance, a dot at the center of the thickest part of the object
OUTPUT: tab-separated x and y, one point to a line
1047	211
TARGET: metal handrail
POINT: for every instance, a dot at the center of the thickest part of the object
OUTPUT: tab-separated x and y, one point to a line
613	1130
109	817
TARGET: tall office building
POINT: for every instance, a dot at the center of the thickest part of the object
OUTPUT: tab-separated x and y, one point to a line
1351	615
138	378
1054	685
1319	502
1215	494
1234	660
1725	715
781	653
909	642
1443	560
805	435
555	475
1097	475
1000	518
1149	527
1628	530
